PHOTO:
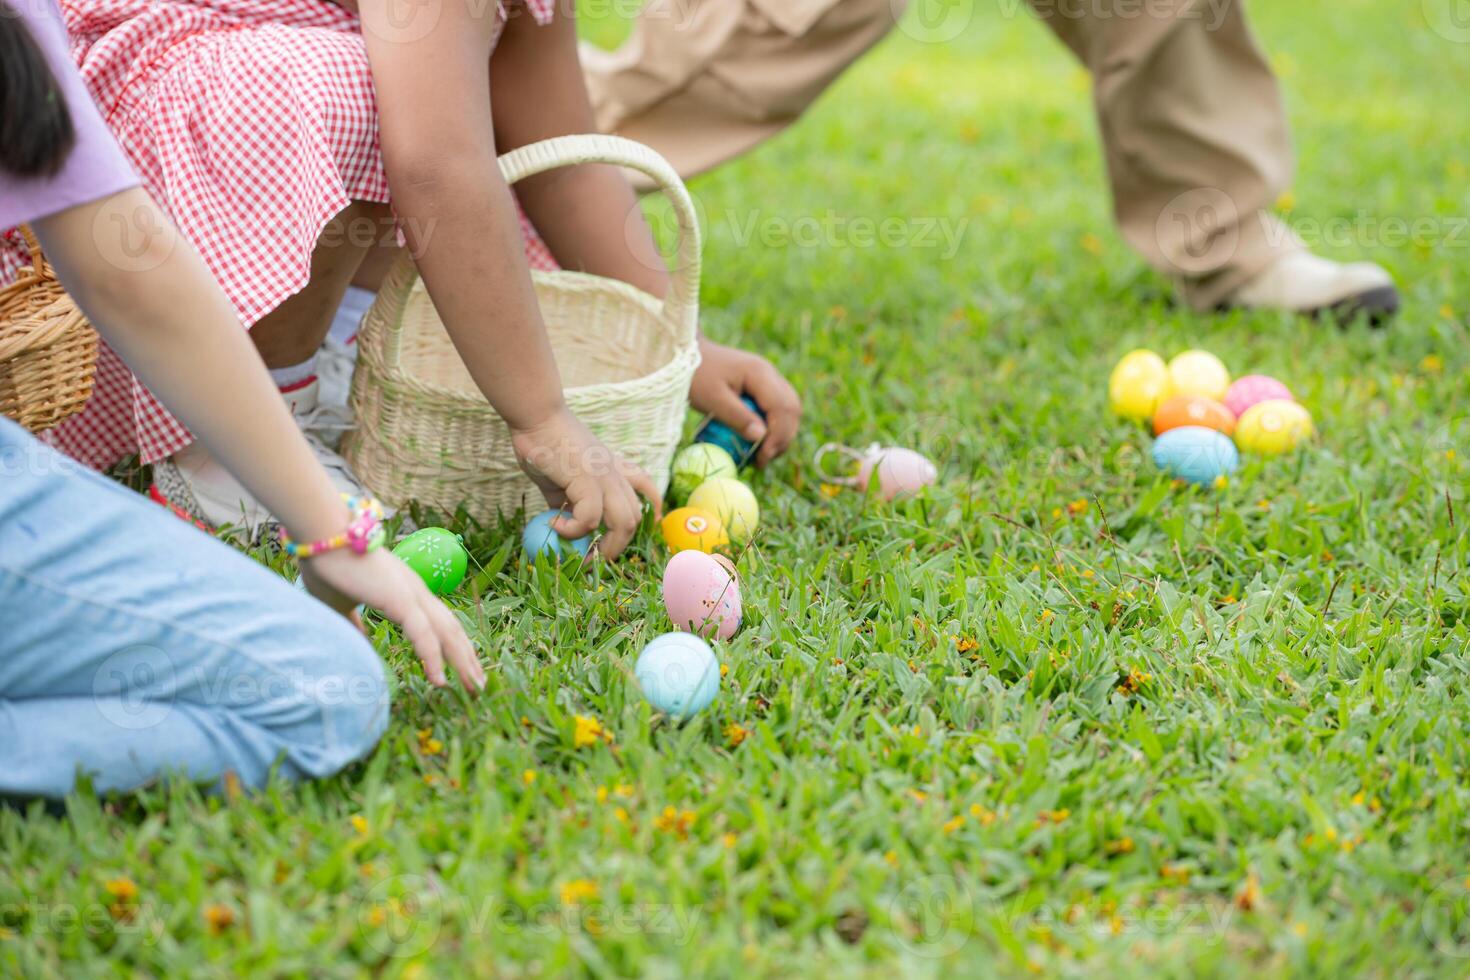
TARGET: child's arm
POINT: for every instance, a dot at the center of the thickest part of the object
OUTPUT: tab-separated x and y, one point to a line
149	293
590	219
460	221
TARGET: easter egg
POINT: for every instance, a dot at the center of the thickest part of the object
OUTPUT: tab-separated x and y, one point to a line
1137	384
717	433
437	556
695	464
1247	391
1273	426
1178	410
540	538
702	594
1198	372
732	502
900	472
1196	454
693	529
679	674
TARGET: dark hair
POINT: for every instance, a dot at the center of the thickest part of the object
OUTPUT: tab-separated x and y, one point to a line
36	133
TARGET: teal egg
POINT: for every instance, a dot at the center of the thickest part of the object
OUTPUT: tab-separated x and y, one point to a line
1196	454
437	556
540	538
717	433
679	674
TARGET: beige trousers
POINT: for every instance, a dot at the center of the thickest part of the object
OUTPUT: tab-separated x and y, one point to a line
1192	125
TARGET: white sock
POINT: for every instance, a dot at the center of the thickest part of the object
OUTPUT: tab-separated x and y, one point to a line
355	304
295	376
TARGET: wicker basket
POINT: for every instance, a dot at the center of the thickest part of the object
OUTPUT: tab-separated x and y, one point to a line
48	351
425	432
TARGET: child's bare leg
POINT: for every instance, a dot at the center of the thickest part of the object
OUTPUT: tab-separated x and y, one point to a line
375	265
292	332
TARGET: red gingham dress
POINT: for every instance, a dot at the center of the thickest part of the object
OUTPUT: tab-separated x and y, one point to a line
252	122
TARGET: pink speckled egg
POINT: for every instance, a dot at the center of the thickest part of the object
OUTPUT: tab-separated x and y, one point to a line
900	471
1253	388
702	594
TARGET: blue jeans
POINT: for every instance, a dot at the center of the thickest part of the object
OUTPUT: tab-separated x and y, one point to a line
133	646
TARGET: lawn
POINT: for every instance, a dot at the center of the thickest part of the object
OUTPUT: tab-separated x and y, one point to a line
1058	716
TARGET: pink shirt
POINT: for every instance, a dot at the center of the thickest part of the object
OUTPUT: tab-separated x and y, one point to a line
95	167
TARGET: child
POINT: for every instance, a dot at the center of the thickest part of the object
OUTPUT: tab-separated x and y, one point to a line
134	646
274	124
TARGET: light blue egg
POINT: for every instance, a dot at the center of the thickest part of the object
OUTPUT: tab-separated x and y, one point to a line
1196	454
540	538
679	674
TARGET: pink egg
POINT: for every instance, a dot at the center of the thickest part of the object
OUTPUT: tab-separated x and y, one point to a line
702	594
900	471
1253	388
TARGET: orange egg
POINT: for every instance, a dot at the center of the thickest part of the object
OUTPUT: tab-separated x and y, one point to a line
1178	410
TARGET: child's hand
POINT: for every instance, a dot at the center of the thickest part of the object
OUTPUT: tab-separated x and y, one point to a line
342	579
726	373
577	472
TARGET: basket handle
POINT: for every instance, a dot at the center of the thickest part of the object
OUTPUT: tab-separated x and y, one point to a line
681	306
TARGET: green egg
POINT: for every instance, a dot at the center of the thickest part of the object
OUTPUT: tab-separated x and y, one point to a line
437	556
694	465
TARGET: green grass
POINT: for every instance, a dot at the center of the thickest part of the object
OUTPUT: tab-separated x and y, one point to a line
1280	787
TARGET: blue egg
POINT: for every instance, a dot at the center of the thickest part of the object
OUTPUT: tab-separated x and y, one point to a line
679	674
1196	454
540	538
717	433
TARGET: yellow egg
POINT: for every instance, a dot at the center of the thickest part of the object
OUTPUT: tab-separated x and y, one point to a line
1198	372
1272	427
693	529
732	502
1137	385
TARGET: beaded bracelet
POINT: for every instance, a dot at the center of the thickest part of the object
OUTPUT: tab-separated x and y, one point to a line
364	534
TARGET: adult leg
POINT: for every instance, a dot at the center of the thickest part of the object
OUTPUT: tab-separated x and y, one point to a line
703	81
1198	149
135	646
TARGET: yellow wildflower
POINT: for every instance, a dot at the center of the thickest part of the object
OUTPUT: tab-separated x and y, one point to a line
218	918
729	840
122	889
578	890
980	813
528	777
1123	845
360	824
675	821
954	823
589	731
735	733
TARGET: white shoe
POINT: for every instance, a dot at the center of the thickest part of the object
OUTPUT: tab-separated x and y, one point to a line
196	486
1300	282
335	362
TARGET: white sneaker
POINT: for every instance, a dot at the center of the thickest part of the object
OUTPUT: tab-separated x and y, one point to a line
1300	282
196	486
335	362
